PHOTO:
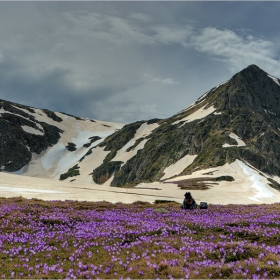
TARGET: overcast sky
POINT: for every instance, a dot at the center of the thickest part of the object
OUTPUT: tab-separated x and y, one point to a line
129	61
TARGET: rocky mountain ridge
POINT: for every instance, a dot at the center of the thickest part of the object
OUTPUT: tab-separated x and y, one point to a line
246	106
236	120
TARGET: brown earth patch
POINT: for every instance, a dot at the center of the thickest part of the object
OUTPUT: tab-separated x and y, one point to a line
201	183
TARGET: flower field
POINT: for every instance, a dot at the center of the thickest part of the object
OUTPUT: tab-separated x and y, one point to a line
70	239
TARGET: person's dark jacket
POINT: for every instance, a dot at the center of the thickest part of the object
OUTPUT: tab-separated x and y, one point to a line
189	206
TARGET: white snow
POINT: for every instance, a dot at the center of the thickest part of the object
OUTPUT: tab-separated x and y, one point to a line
188	108
87	165
39	115
197	102
203	96
248	186
220	84
267	111
20	171
199	114
82	137
32	130
201	99
60	159
217	113
11	189
262	190
143	131
2	111
240	143
57	159
124	156
240	191
178	167
25	128
274	79
52	155
67	159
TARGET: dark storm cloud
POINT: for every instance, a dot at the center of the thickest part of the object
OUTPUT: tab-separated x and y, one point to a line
125	61
49	91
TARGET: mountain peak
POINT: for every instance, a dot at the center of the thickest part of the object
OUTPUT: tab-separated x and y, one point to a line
251	71
253	67
250	88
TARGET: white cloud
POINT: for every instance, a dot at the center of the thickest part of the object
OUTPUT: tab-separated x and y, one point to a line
165	81
235	50
172	34
118	31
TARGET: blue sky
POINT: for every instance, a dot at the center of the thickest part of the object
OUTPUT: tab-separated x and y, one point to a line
129	61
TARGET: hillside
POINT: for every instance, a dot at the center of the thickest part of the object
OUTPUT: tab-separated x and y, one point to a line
41	143
236	120
228	138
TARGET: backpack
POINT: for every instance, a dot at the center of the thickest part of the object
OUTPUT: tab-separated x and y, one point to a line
203	205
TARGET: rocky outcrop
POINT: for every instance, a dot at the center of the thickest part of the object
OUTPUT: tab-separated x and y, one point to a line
73	171
104	172
16	144
71	147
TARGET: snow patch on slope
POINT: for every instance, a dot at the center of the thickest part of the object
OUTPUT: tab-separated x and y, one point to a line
20	171
249	185
178	167
3	111
240	143
52	155
203	96
57	159
262	190
274	79
199	114
124	156
32	130
25	127
80	139
87	165
188	108
143	131
220	84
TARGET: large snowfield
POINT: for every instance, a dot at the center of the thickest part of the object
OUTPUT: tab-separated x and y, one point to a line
249	187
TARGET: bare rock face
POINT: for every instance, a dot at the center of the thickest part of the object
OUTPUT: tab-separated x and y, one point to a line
105	171
16	143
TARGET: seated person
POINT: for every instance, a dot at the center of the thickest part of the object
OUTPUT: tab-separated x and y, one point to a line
188	202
